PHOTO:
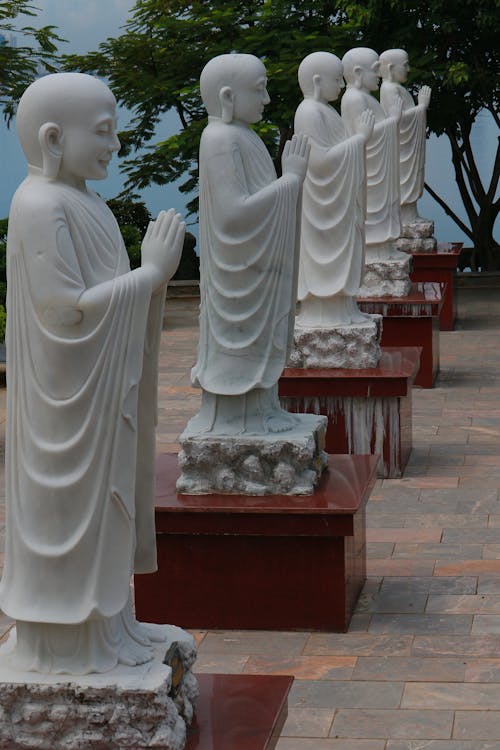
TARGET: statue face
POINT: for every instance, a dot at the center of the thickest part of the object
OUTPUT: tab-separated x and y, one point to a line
370	75
400	70
332	84
88	142
250	95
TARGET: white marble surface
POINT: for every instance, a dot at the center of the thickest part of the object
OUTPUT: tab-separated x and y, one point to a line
383	222
394	68
332	245
249	250
82	347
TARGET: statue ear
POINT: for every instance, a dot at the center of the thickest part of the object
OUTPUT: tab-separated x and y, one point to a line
390	67
226	99
50	138
358	75
317	86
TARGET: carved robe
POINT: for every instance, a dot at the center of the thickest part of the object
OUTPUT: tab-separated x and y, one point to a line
249	243
411	141
80	421
332	249
383	221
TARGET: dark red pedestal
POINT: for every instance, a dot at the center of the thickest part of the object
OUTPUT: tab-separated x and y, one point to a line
369	411
412	321
276	562
440	265
239	712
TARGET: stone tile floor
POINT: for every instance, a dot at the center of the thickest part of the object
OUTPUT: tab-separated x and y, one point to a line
420	666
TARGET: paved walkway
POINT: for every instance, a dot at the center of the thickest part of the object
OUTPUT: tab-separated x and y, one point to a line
420	666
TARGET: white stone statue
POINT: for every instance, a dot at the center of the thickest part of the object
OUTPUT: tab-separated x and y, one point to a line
82	345
361	72
249	248
332	248
394	68
249	252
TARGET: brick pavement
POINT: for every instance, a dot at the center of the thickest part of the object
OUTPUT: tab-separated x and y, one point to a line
420	665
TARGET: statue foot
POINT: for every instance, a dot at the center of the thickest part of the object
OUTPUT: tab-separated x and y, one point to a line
279	421
151	632
131	653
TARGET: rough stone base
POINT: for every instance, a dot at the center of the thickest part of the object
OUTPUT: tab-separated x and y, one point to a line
386	278
350	346
423	245
417	229
285	463
132	708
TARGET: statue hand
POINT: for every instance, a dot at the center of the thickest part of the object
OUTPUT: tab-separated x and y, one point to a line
162	246
396	108
295	156
364	124
424	96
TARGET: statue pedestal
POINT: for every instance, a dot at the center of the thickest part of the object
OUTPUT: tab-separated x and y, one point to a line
417	237
288	463
239	711
441	265
264	563
369	410
352	346
386	277
133	707
412	320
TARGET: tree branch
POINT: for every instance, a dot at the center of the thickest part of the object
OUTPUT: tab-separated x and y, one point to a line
495	175
465	229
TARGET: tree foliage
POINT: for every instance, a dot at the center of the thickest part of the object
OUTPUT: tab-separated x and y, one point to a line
154	68
20	63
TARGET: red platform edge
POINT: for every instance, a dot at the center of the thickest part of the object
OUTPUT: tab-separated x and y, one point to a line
391	380
412	320
239	712
440	265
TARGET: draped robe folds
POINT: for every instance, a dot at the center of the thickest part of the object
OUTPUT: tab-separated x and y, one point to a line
383	220
80	421
332	249
249	246
411	141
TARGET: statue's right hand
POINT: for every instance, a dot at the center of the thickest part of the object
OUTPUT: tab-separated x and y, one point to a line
424	96
162	246
295	156
396	108
364	124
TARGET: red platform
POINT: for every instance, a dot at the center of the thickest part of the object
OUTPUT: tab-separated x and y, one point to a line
369	410
276	562
440	265
239	712
412	321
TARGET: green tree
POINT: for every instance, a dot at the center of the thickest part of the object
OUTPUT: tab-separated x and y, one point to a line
35	49
154	67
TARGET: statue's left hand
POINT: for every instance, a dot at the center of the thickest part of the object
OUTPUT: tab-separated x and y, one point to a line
424	96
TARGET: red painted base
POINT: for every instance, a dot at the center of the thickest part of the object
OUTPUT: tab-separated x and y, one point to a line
412	320
440	265
239	712
368	410
276	562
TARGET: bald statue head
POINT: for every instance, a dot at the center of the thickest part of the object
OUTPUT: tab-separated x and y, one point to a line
361	68
321	76
233	87
394	65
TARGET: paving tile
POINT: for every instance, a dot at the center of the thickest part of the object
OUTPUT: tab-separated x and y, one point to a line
482	670
402	535
472	604
486	624
421	623
328	694
441	645
449	695
308	667
308	722
393	601
402	567
359	644
331	744
466	567
220	663
488	585
251	642
477	725
410	724
410	669
471	536
441	745
440	550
